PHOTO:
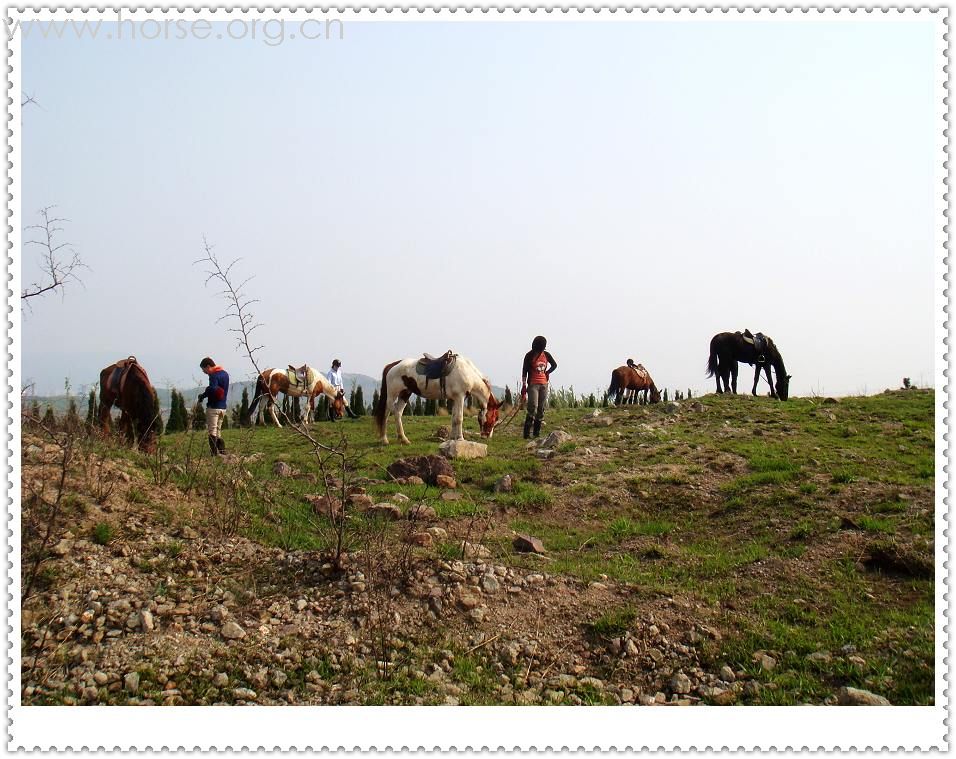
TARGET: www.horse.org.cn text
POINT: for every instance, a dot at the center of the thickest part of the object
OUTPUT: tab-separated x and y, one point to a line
272	32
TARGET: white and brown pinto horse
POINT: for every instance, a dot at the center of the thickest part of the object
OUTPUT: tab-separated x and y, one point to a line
271	382
400	380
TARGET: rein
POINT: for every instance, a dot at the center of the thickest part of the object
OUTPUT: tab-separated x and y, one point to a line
517	407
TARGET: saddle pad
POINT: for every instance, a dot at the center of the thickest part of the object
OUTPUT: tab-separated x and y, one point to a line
113	383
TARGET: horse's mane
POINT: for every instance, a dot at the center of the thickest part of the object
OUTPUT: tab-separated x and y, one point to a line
145	399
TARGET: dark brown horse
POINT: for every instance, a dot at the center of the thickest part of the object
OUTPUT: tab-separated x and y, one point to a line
634	380
727	348
126	384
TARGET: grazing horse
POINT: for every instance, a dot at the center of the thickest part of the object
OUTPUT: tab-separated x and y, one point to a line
294	383
727	348
402	379
633	380
126	384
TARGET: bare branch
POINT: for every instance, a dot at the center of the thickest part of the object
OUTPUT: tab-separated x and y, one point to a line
57	266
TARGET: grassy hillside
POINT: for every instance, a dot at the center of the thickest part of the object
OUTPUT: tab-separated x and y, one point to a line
720	550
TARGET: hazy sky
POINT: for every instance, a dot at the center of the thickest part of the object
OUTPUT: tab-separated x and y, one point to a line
627	190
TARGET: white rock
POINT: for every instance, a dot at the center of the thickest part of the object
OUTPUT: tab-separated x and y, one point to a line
232	631
463	449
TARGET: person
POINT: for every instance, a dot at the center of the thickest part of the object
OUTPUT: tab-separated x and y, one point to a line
535	374
334	377
215	396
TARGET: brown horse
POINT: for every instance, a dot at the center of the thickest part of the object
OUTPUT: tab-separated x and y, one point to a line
126	385
295	383
635	379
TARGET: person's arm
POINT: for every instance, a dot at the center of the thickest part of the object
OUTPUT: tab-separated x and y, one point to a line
552	362
525	371
205	393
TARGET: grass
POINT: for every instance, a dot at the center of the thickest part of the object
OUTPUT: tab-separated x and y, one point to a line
102	533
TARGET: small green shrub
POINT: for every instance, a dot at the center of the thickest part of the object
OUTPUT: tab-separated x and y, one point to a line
614	622
102	533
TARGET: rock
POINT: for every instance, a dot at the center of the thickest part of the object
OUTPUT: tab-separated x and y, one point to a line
697	406
766	662
360	500
489	584
281	469
131	682
545	453
323	505
595	414
425	468
819	657
857	697
63	547
422	539
752	688
438	533
505	485
463	449
443	432
555	439
100	678
413	480
631	649
857	661
232	631
399	498
723	696
727	674
422	512
528	544
221	680
450	495
592	682
475	551
301	604
680	683
146	620
672	407
468	601
444	481
656	654
384	510
244	694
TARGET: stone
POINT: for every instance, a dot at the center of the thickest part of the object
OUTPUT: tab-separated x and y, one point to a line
63	547
146	620
819	657
422	512
463	449
631	649
697	406
281	469
399	498
232	631
856	697
443	432
505	485
444	481
245	694
360	500
413	480
450	495
857	661
489	584
438	533
722	696
384	510
131	682
672	407
425	468
680	683
766	662
221	680
475	551
323	505
468	601
555	439
528	544
100	678
422	539
545	453
727	674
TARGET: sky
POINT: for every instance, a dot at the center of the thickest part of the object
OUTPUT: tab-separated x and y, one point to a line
625	189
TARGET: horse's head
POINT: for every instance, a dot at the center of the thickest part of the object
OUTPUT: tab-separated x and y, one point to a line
488	418
783	387
655	394
338	405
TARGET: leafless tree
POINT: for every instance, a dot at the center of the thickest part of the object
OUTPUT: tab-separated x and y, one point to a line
59	263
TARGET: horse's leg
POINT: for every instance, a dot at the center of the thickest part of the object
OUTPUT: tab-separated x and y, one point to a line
104	417
457	419
272	412
773	390
398	410
733	376
310	409
756	379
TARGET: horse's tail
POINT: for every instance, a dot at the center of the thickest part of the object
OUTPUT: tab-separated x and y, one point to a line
712	361
615	383
380	408
261	390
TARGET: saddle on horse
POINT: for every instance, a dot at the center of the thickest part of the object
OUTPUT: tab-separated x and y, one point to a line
759	342
298	375
436	368
121	370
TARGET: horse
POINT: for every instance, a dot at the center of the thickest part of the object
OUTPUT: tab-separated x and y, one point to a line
126	385
402	379
727	348
632	380
309	382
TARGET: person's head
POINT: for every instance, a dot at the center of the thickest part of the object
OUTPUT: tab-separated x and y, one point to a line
539	343
206	365
336	364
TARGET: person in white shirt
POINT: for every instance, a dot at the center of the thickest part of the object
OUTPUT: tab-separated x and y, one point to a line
334	377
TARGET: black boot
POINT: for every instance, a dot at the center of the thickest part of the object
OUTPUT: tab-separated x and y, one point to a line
220	446
352	414
537	428
527	427
213	448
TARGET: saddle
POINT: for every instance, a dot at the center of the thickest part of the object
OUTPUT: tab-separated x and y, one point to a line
298	375
432	368
758	341
121	370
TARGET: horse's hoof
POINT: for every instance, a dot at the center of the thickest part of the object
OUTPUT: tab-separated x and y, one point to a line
406	441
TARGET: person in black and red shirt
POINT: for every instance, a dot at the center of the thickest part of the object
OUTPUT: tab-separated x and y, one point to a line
215	396
537	368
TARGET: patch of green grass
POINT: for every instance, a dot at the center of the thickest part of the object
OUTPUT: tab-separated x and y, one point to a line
614	623
874	524
758	479
842	477
102	533
802	530
623	528
135	495
808	488
525	495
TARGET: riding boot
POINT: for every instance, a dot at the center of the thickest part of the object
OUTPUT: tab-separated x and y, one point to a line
527	427
537	428
220	446
352	414
213	448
